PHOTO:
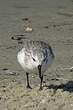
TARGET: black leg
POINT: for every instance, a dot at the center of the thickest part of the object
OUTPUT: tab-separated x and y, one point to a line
40	76
28	85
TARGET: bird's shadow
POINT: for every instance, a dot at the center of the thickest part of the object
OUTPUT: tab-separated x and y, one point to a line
66	87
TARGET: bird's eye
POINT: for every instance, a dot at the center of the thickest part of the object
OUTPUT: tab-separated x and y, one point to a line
33	59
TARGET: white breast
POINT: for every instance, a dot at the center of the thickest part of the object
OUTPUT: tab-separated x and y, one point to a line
20	57
27	66
26	61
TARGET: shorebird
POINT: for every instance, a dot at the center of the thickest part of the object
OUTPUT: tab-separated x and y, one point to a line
35	56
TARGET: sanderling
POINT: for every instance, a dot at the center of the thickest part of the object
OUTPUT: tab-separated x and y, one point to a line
35	56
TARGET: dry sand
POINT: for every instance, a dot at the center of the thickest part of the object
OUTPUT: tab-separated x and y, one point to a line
51	21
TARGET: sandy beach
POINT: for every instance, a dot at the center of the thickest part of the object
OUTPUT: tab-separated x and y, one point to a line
50	21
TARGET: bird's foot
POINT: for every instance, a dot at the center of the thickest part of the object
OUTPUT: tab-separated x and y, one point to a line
29	87
41	88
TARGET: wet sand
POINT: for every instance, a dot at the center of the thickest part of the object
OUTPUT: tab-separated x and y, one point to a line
52	22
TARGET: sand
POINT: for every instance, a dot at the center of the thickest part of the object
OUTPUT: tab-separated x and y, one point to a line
52	22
